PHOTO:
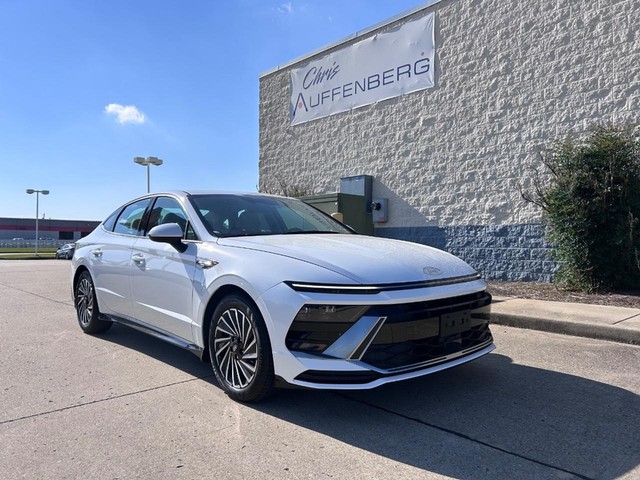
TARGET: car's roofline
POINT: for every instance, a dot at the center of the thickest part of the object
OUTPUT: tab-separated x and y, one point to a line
186	193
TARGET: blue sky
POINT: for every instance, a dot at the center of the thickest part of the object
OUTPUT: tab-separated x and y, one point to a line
189	71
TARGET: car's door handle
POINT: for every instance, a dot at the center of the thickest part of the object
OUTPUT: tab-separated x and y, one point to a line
97	252
138	258
205	263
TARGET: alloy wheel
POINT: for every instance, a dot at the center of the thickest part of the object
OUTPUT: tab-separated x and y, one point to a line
84	301
236	347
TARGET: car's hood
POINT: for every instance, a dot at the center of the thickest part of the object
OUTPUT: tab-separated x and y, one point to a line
366	260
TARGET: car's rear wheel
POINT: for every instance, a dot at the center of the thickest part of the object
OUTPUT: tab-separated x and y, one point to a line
240	350
87	306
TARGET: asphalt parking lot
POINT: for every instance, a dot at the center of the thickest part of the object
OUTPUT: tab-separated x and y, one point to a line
124	405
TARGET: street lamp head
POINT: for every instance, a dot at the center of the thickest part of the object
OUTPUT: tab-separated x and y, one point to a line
30	191
44	192
147	161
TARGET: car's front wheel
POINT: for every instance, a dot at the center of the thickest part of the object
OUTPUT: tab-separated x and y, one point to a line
240	350
87	306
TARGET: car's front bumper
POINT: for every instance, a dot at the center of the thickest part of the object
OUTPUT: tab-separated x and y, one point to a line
371	377
384	347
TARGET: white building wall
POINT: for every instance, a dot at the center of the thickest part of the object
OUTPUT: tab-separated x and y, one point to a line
510	77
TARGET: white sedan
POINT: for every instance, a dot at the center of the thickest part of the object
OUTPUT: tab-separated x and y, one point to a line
275	292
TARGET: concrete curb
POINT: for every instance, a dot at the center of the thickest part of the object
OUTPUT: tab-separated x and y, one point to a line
589	330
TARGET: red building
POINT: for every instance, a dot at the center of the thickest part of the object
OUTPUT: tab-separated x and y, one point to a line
18	229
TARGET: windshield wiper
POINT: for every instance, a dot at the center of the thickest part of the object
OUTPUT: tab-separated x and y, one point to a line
266	234
299	232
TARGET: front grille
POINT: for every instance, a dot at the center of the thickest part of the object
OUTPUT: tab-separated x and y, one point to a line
390	356
412	333
419	311
423	332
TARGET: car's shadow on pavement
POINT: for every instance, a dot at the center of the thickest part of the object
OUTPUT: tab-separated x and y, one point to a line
157	349
496	411
485	419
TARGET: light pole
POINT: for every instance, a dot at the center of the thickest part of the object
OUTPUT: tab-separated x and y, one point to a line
37	192
148	162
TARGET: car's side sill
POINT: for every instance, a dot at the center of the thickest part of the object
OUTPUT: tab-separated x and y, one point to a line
158	333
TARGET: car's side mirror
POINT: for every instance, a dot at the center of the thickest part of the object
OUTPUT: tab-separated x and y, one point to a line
170	233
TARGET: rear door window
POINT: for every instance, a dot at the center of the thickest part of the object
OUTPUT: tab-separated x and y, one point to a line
130	220
110	222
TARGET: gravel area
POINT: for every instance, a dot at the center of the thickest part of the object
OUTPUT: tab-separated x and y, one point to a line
548	291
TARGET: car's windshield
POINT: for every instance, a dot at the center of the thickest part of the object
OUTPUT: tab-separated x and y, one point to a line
239	215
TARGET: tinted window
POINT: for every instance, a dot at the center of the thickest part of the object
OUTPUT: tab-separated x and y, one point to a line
109	223
168	210
239	215
129	221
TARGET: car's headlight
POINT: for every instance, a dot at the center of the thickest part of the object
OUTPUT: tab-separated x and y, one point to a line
315	327
373	289
332	288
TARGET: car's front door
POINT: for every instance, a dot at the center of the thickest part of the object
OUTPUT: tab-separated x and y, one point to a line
162	276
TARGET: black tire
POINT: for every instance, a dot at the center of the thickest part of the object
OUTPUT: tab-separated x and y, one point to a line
240	350
68	256
87	306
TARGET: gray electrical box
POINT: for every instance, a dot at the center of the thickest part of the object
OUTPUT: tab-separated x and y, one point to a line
354	202
361	185
352	207
380	210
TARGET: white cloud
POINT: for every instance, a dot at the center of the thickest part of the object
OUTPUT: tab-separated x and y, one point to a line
286	8
125	113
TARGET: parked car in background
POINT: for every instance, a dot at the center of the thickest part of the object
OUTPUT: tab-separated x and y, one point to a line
66	251
270	290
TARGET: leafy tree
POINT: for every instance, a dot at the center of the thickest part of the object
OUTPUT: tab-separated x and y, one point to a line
287	189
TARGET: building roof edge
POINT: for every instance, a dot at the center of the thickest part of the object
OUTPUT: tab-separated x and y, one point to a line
351	37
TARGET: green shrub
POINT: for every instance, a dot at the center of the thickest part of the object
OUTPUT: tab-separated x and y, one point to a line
590	194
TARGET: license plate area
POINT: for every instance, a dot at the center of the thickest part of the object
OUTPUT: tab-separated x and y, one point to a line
452	323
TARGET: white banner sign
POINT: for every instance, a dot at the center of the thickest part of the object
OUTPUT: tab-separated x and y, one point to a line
384	66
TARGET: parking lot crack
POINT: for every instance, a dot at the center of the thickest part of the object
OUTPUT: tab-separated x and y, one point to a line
464	436
101	400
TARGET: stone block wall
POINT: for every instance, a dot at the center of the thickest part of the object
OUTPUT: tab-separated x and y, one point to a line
500	252
511	76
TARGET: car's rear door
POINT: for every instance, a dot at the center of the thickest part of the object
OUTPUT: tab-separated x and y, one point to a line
110	260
